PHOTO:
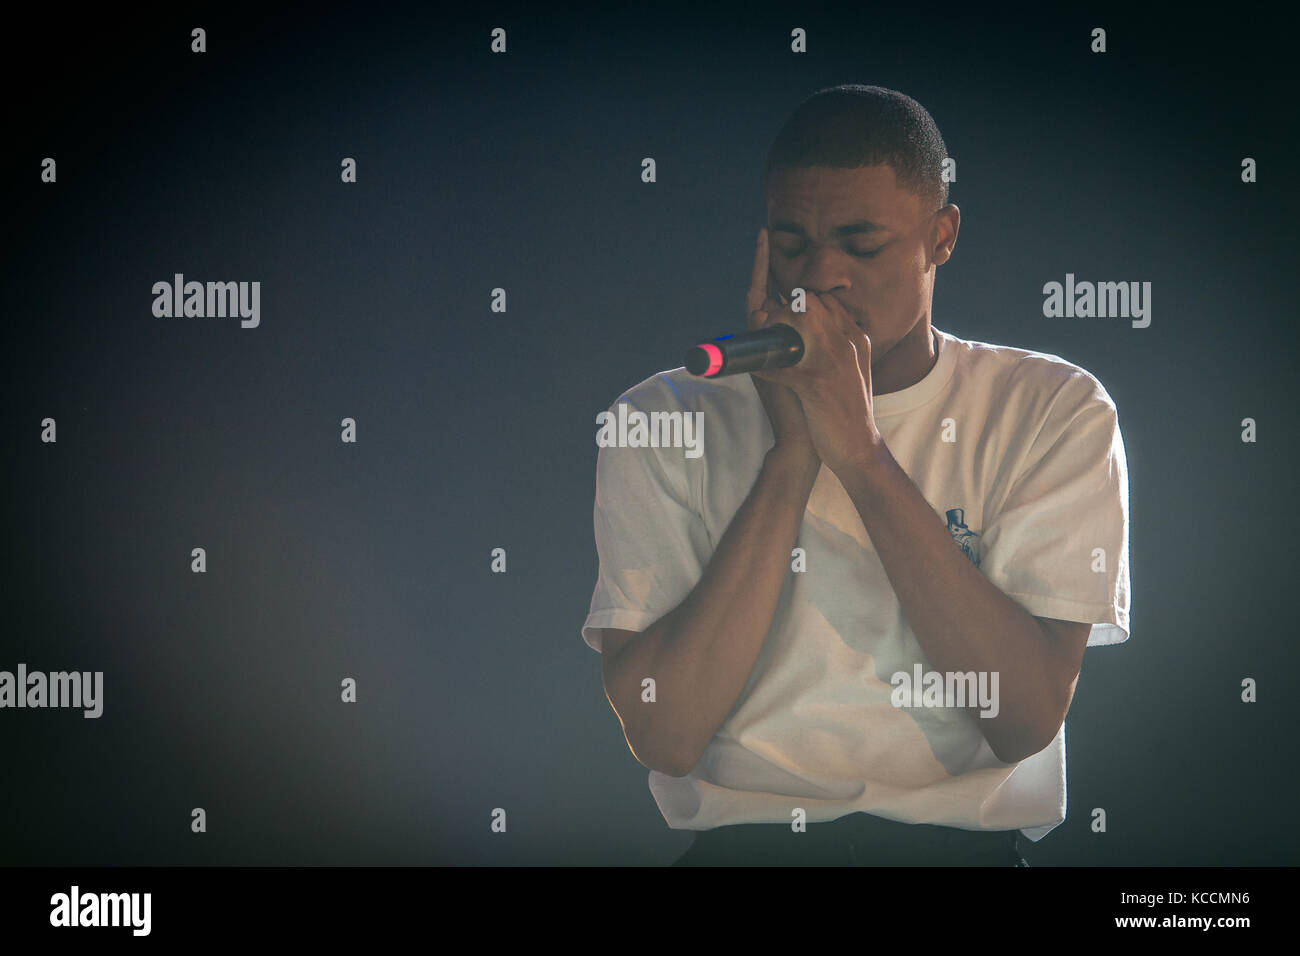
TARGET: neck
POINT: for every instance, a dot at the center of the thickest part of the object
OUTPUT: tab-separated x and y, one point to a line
909	361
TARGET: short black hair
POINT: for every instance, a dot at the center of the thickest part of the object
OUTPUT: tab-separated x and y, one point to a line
852	125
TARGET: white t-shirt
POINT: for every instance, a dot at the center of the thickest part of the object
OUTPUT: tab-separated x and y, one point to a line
1034	482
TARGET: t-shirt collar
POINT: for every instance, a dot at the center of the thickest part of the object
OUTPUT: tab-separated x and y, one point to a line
896	403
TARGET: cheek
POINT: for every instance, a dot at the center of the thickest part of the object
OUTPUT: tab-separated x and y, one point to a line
901	282
889	286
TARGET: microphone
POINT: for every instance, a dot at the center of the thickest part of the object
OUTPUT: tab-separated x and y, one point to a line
775	346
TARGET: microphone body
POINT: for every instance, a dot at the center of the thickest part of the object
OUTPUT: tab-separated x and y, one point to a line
776	346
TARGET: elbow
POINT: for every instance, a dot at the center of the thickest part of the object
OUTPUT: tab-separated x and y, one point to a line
654	746
1024	743
680	768
660	755
651	753
1009	753
667	761
685	753
665	765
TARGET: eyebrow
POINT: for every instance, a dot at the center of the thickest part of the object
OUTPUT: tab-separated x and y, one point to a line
851	229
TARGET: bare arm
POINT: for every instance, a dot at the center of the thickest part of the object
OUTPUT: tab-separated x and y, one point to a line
701	653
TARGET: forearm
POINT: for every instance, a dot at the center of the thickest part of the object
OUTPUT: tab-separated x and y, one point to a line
701	653
962	621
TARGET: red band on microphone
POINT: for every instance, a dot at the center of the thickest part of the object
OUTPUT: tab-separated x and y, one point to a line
715	358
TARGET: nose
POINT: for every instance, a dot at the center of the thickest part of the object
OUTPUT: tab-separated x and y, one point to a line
825	271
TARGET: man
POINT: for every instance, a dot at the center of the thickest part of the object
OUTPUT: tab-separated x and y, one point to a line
850	630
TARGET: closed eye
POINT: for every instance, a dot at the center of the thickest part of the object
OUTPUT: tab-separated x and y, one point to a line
860	255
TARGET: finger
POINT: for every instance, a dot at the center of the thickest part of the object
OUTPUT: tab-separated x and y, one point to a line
758	277
850	328
773	306
861	341
843	320
773	292
862	347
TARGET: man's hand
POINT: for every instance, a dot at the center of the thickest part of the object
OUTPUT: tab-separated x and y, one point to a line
832	381
762	303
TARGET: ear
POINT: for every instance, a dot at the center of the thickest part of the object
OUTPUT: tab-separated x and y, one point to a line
947	222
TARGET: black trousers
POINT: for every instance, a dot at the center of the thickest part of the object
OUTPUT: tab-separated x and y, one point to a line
858	839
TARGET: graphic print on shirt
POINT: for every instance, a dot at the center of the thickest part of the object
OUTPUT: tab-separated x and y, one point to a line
966	539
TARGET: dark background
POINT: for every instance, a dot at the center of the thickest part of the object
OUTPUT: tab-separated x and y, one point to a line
476	429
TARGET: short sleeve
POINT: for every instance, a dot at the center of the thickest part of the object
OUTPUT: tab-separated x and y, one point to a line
1059	543
651	541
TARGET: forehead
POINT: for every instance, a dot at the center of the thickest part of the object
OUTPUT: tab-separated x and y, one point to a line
821	197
